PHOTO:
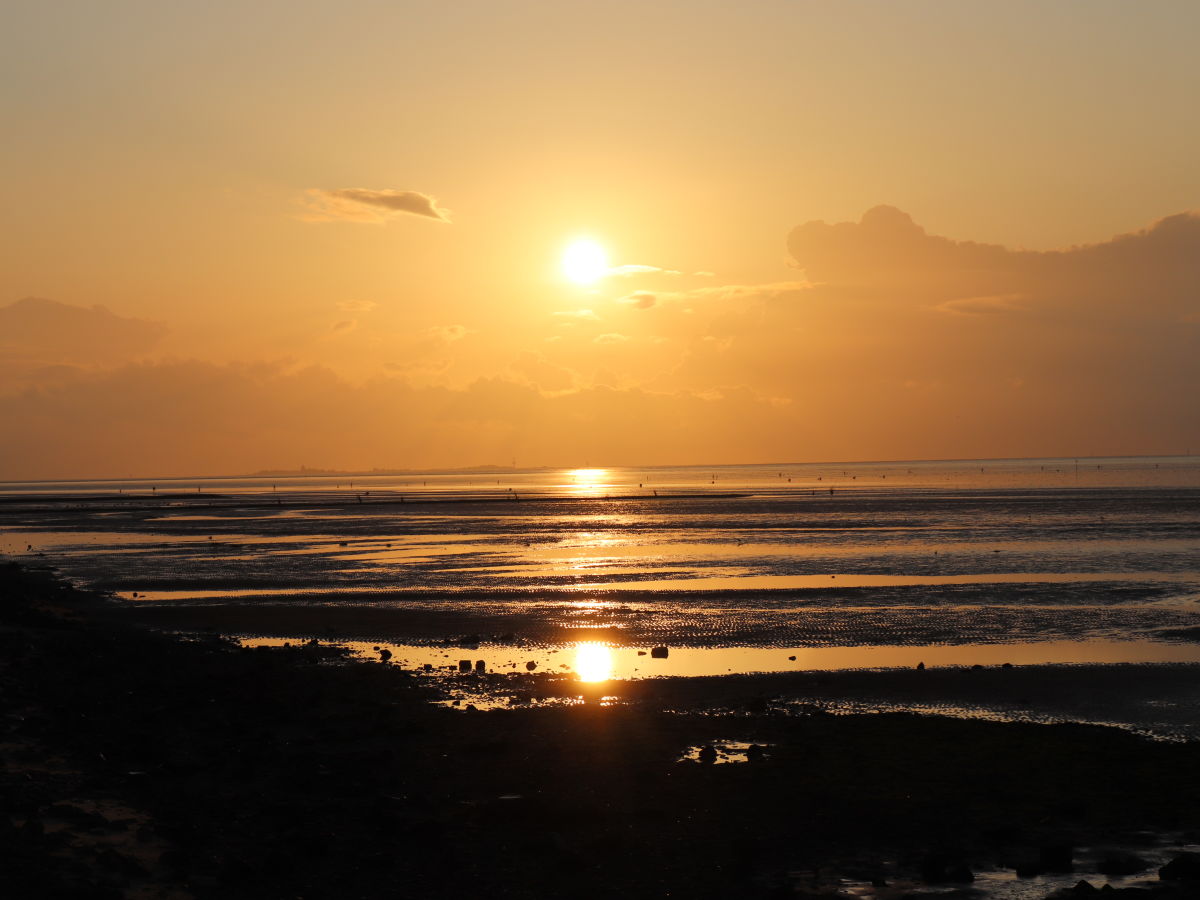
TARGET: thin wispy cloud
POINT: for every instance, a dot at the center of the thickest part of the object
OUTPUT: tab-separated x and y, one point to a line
640	299
610	338
630	269
447	333
358	306
369	205
984	306
634	269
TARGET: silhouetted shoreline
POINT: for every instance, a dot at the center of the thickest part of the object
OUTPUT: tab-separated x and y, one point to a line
142	762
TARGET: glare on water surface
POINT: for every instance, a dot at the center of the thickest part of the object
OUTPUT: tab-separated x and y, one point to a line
593	661
588	481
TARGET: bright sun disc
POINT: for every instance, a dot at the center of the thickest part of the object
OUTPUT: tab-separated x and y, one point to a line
584	261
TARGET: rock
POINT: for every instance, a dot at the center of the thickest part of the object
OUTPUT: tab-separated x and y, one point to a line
659	652
1121	862
385	655
1058	858
480	667
754	753
119	863
920	667
531	665
464	665
428	667
946	867
1183	867
1028	869
708	754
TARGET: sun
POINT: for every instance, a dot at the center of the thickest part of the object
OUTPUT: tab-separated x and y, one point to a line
584	261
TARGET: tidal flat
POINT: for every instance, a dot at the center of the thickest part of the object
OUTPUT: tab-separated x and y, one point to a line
142	764
955	679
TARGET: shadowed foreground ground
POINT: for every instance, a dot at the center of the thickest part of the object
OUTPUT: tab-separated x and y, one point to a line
139	765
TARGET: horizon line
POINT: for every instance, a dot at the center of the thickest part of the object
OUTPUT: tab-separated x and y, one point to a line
487	467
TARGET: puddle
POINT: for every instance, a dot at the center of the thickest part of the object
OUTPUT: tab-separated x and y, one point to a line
724	752
595	661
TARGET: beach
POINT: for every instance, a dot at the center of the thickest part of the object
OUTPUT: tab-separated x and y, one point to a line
139	764
970	683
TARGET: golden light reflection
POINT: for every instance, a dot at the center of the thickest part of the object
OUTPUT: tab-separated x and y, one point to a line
589	477
593	662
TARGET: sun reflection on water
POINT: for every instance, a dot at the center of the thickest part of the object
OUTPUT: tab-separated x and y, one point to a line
588	482
593	661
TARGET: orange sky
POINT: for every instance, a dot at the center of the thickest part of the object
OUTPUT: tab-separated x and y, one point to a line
330	234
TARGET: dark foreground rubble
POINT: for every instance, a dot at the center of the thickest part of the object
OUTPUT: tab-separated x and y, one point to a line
142	765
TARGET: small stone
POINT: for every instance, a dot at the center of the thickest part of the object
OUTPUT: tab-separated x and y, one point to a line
659	652
531	665
480	667
464	665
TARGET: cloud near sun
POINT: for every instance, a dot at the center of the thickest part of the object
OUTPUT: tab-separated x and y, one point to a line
896	343
367	205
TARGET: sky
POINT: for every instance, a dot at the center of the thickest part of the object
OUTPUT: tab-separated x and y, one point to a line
260	236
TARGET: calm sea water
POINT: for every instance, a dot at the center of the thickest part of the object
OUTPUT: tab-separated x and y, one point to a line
1053	560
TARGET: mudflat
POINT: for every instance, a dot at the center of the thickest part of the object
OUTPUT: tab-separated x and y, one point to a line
138	764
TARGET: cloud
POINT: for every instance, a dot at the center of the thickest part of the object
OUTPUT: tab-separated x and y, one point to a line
343	327
534	369
367	205
976	306
37	332
639	299
886	253
633	269
920	345
447	333
198	418
359	306
895	344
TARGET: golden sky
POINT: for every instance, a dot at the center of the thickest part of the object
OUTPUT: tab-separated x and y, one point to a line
242	236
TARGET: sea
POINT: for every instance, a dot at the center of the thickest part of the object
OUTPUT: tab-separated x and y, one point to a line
841	565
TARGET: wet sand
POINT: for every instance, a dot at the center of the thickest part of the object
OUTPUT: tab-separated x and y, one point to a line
142	765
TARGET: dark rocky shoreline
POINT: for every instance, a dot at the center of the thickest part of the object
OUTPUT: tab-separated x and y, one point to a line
137	764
